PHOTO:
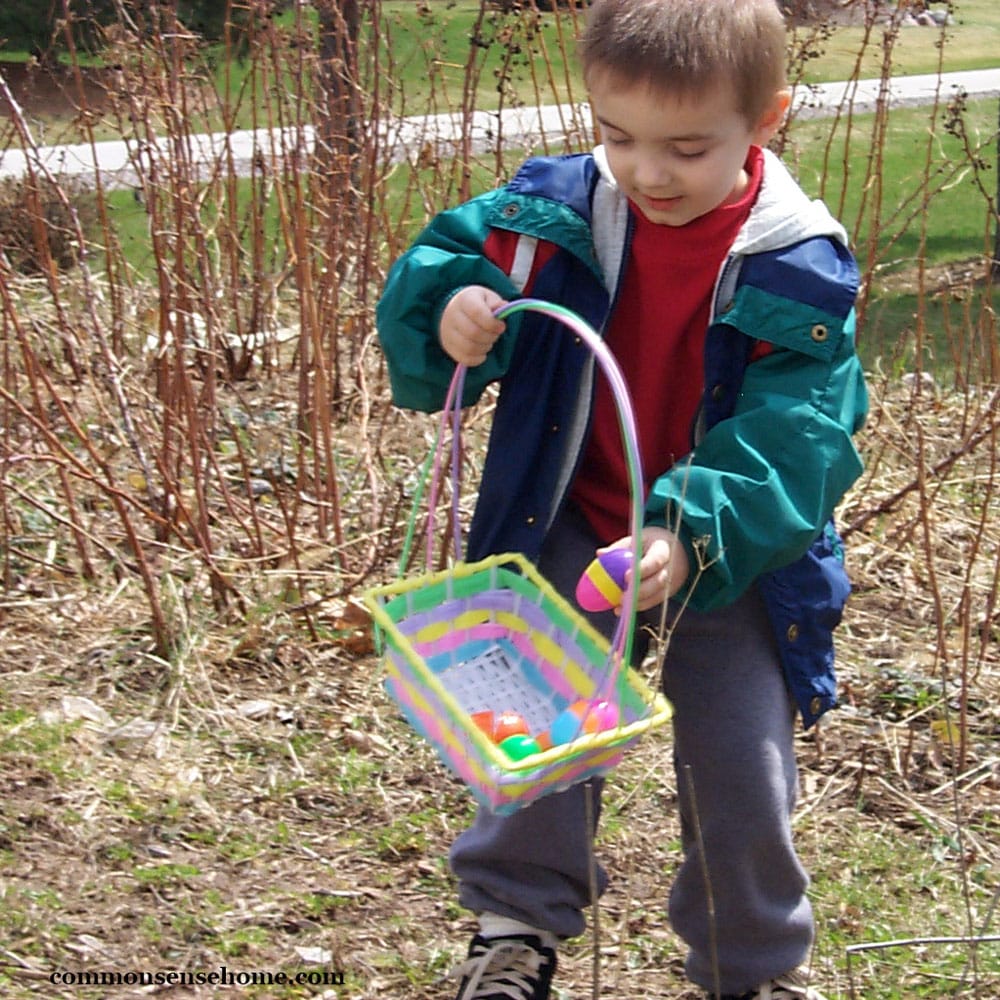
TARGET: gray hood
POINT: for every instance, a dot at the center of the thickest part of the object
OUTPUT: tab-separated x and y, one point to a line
782	215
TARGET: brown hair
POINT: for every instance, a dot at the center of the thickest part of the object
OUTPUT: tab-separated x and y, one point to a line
690	46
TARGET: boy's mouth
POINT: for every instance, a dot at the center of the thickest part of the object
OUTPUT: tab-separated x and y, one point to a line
661	204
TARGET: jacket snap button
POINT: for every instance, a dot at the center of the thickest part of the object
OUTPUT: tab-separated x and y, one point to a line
511	210
530	519
816	705
819	333
792	633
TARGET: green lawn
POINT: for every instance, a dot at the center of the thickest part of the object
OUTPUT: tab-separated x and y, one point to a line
929	207
430	45
438	33
921	160
520	56
416	58
951	226
971	42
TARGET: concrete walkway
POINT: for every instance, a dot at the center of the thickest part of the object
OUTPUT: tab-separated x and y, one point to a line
121	162
903	91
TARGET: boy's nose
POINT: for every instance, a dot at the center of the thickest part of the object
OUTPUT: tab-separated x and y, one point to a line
651	172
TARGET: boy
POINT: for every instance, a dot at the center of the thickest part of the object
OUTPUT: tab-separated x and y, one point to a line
727	297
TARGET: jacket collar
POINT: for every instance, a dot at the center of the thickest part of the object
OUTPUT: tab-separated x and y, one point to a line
782	214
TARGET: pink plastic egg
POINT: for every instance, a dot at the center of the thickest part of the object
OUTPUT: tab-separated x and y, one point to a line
605	715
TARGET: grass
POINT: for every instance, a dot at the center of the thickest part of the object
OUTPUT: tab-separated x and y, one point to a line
430	46
934	198
936	183
946	315
511	49
438	34
972	41
430	56
941	233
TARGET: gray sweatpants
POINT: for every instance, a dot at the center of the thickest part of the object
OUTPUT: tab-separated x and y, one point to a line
733	736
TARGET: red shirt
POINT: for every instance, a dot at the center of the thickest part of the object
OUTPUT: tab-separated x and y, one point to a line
657	335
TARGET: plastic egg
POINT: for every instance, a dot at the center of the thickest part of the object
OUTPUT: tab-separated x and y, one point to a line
519	745
485	721
605	715
568	725
602	585
509	724
581	718
544	740
585	711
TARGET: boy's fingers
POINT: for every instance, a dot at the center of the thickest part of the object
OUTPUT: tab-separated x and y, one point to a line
481	325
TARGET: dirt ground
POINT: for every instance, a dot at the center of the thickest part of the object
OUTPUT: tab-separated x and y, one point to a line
256	804
56	92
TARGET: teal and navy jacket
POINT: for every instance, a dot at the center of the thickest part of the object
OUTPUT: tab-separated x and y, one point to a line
771	451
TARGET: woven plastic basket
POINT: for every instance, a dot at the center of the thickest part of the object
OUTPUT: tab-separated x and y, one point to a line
495	636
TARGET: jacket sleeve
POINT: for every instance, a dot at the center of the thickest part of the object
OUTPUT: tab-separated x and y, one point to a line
761	484
447	256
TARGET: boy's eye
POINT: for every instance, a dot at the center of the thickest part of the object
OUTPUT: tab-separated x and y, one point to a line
617	140
691	154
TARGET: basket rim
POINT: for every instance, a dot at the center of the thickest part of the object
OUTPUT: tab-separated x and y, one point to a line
660	709
374	596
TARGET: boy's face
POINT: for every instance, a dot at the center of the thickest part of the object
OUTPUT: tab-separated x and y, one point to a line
677	156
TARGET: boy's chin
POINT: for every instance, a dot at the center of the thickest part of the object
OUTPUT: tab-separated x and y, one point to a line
666	212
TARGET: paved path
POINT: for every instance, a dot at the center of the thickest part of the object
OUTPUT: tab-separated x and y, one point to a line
903	91
120	161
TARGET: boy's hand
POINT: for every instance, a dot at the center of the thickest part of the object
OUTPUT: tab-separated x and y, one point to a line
663	567
468	327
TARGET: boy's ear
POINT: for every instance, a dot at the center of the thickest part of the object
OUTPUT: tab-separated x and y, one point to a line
774	114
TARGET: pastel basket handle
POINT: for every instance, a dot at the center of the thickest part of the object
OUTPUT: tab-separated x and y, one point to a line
452	410
622	641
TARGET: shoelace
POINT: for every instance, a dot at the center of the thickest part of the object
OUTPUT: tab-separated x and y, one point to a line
790	987
506	968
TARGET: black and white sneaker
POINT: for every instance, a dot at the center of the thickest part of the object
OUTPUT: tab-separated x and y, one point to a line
792	986
513	967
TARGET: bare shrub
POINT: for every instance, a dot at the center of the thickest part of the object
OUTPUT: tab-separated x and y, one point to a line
37	229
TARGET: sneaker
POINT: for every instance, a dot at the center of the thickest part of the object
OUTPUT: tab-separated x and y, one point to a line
791	986
514	967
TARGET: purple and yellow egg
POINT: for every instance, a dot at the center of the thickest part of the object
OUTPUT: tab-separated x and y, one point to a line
602	584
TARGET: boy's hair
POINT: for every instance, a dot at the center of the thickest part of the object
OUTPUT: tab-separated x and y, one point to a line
690	46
